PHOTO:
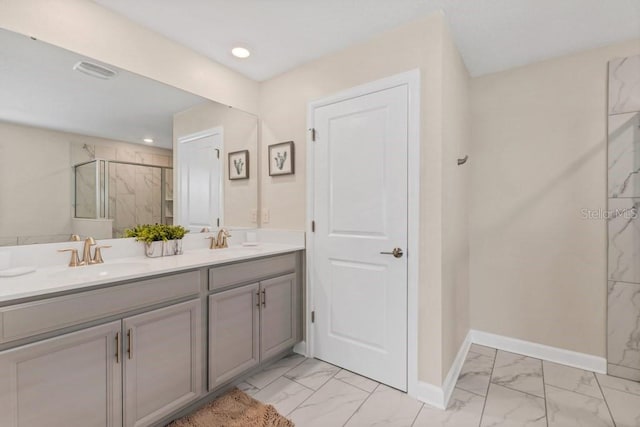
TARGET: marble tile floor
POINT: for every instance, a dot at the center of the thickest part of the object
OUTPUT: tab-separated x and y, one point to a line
495	388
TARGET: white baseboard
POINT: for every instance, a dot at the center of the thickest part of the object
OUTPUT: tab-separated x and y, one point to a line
454	372
430	394
540	351
439	396
301	348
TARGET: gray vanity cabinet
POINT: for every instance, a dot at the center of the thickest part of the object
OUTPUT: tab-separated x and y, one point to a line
147	363
162	362
253	315
69	380
277	315
77	378
233	333
133	371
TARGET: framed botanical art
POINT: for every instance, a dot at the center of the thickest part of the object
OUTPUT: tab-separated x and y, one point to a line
281	159
239	165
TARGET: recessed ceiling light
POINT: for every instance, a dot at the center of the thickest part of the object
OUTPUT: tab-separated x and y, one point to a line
148	140
240	52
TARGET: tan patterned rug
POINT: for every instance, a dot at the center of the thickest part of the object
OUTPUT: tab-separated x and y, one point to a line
234	409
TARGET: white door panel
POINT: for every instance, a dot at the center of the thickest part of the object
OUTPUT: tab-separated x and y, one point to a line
200	172
351	281
360	210
357	206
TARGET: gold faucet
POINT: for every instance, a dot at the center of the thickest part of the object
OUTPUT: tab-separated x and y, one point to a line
220	241
86	251
86	254
222	238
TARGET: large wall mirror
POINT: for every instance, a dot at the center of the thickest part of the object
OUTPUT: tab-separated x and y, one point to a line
91	149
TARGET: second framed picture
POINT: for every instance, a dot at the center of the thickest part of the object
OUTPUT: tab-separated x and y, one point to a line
239	165
281	159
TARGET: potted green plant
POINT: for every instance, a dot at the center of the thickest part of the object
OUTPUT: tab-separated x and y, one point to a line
159	239
175	233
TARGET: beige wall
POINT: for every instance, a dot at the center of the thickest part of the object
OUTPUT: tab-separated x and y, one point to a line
35	183
89	29
283	110
240	132
538	270
456	143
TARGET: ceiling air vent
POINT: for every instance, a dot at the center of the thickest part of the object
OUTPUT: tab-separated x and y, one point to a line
94	70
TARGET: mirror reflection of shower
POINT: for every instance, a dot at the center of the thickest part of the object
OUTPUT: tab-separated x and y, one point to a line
119	195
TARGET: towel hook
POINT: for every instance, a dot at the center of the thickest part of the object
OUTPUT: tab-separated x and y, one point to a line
463	160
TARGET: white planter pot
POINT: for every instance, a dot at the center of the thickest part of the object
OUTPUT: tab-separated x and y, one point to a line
161	248
177	245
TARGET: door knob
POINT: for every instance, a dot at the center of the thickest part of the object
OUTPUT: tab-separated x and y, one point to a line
397	252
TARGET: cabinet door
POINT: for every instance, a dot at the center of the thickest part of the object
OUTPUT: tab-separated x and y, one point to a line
277	315
69	380
163	367
233	333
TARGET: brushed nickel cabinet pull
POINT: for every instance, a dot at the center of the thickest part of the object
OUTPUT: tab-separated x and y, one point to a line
130	338
264	298
258	299
117	347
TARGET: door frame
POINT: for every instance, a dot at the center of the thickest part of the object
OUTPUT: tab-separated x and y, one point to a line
410	79
177	179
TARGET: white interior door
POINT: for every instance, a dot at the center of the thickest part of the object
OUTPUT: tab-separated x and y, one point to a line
360	211
200	175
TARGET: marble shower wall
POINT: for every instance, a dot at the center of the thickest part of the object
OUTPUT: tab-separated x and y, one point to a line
135	192
624	85
623	328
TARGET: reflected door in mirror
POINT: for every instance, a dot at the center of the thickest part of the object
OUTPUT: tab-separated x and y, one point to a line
200	174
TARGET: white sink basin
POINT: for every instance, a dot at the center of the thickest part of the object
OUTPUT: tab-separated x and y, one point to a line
98	271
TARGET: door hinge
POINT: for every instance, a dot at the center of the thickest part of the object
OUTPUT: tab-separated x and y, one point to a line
313	226
313	134
313	317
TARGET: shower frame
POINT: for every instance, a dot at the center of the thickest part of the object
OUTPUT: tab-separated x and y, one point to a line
102	186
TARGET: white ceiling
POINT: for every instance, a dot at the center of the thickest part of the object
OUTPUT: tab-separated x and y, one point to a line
40	88
492	35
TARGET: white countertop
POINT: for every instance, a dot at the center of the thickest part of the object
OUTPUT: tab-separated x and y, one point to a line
49	280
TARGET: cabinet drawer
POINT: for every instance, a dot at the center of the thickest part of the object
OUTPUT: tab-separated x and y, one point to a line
24	320
250	271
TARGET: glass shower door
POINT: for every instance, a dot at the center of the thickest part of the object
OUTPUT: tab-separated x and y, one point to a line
89	190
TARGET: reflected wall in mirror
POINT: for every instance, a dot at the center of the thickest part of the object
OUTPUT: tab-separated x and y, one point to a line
226	130
73	156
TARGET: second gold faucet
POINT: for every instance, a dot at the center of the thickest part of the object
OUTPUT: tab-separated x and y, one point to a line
220	240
